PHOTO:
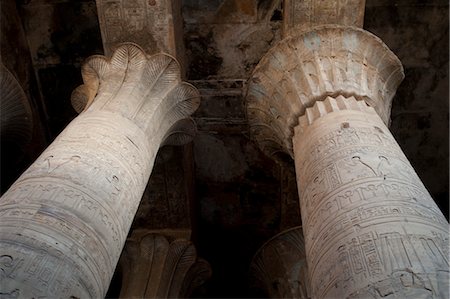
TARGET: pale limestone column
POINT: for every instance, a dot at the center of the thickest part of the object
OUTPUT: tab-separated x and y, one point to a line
279	266
154	265
64	222
371	228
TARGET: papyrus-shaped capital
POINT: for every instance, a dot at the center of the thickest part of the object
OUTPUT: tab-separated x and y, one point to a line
308	66
147	90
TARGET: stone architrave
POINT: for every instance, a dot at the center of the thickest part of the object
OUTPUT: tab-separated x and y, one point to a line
155	25
65	220
159	266
279	266
309	13
371	228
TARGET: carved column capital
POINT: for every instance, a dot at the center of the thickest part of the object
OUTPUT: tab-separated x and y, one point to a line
146	89
157	266
279	266
16	121
308	66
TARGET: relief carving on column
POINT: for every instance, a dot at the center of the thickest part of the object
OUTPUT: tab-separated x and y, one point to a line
16	116
65	220
279	266
308	66
371	228
157	266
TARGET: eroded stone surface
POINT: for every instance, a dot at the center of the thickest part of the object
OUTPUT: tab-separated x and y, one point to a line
65	220
309	13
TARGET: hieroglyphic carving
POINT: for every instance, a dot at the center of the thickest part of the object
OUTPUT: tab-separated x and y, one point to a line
72	209
155	25
310	65
156	266
309	13
368	220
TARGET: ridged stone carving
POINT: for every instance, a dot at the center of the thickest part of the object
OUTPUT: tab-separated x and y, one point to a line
16	117
307	67
157	267
65	220
280	267
150	85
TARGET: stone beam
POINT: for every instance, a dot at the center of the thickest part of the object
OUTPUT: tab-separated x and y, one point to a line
65	220
155	25
309	13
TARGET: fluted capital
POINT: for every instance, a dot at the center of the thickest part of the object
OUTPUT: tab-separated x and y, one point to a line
156	266
16	117
279	266
328	60
147	90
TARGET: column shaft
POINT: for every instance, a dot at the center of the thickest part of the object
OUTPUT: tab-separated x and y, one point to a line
65	220
371	228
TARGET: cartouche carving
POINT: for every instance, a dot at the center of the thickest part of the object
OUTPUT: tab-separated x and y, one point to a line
65	220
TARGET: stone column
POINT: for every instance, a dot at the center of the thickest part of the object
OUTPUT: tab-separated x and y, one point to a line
159	266
279	266
371	228
65	220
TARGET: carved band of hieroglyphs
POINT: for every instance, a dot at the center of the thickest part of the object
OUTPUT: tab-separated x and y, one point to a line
132	21
308	13
48	269
362	202
348	210
358	166
81	194
343	139
60	195
419	259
